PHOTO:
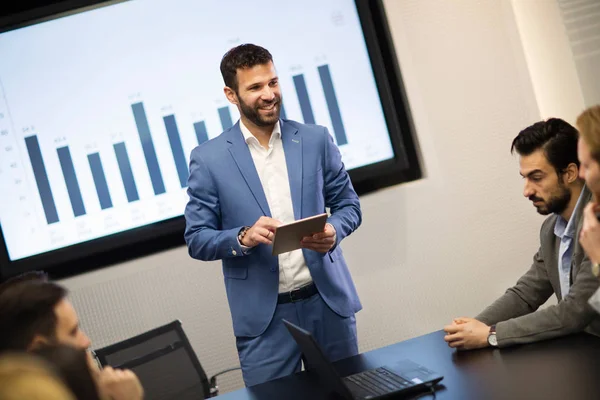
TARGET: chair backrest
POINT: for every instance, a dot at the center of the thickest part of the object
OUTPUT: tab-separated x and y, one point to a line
163	360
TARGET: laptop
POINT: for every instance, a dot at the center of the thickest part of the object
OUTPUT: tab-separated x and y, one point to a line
403	377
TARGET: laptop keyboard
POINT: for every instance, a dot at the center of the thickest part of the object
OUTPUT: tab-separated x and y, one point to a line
376	382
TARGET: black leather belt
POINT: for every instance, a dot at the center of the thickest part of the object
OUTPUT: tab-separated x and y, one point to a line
297	294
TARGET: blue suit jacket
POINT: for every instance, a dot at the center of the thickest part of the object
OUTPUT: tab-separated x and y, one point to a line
226	194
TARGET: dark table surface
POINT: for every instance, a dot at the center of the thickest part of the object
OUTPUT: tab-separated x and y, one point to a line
567	368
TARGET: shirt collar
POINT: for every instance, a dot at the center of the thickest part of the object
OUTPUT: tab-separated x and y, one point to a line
250	138
564	228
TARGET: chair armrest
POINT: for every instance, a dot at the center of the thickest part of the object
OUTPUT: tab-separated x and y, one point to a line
214	389
130	364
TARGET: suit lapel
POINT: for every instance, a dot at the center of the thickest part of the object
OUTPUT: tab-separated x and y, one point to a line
552	270
292	147
242	157
578	252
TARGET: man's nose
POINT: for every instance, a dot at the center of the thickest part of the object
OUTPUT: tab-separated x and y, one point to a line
268	94
85	341
528	190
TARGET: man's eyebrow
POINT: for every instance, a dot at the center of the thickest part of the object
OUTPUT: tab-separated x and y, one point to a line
535	171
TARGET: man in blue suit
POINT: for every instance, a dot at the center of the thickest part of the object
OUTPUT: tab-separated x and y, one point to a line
259	174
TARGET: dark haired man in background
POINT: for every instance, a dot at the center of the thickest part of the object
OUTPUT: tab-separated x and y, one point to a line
34	312
260	173
548	163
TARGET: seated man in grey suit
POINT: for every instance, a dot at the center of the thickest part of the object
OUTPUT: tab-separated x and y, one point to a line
548	163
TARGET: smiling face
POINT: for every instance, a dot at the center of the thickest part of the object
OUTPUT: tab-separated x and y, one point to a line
258	96
543	186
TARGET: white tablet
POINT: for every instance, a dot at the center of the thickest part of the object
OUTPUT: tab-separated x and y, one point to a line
287	237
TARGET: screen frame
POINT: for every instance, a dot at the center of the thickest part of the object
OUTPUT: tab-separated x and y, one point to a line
162	235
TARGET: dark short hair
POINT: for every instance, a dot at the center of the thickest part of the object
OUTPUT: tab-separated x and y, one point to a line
557	138
26	276
242	57
72	367
26	310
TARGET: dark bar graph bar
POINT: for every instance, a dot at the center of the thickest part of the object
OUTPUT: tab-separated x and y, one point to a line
177	149
332	105
148	146
201	134
68	170
225	116
282	113
126	172
100	181
302	92
41	178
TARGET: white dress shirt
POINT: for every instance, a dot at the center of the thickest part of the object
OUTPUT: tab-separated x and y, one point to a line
272	171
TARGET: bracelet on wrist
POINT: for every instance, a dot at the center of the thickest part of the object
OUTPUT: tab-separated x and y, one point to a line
242	233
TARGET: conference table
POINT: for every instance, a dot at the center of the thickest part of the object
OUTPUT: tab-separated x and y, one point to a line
566	368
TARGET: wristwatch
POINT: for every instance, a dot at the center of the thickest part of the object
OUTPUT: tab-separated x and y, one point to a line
492	340
242	233
596	269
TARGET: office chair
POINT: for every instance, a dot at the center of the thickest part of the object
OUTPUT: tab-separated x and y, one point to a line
165	363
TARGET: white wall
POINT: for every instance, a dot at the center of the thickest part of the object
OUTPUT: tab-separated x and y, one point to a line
582	26
444	246
550	58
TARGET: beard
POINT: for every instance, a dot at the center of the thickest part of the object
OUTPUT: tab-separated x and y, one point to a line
556	204
253	112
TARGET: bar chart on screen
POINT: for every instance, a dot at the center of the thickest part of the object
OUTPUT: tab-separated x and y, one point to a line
112	165
104	145
150	163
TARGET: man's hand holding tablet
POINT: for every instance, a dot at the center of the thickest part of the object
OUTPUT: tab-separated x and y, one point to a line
310	233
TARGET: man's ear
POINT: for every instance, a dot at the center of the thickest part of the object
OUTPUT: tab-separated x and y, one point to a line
37	342
571	173
231	95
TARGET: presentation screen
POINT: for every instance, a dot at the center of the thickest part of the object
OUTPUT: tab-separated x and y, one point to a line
101	107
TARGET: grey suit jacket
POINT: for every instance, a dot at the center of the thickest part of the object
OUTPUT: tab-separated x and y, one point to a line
516	313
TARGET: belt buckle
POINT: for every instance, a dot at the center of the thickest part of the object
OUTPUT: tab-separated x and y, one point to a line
292	292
